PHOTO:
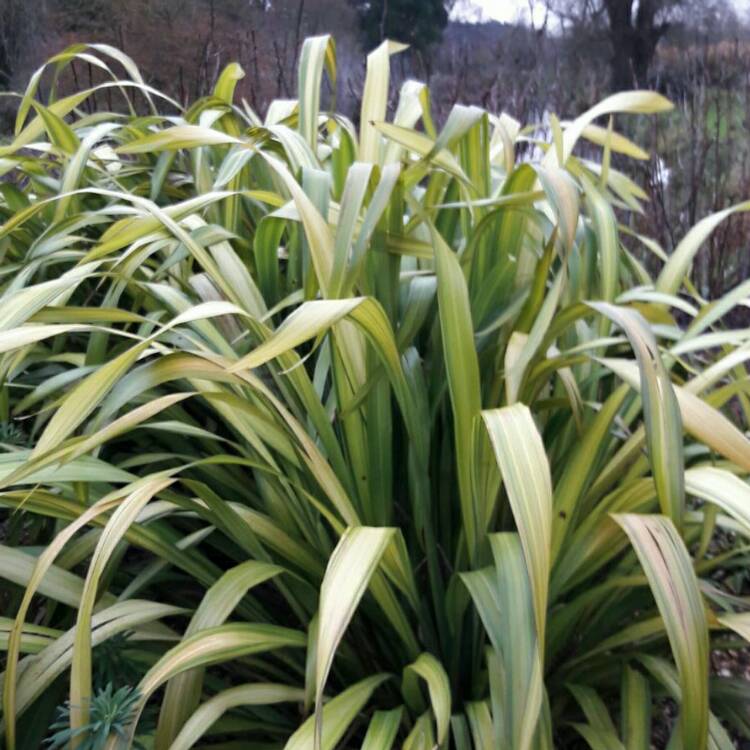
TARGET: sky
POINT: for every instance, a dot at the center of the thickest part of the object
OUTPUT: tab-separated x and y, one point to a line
500	10
511	10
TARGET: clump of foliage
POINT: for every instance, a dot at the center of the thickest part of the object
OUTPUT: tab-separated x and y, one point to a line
366	438
419	23
109	715
12	433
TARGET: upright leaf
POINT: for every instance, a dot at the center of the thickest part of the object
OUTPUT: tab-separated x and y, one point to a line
349	570
670	574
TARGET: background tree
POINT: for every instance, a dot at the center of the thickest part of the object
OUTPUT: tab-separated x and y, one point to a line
19	33
634	31
419	23
633	28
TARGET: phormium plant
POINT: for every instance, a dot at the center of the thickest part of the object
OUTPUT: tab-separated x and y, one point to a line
363	436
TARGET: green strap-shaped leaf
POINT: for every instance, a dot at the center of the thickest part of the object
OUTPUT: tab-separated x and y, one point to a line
635	102
178	137
678	265
562	193
738	622
306	322
670	574
40	673
594	709
600	732
664	672
382	729
604	224
337	715
522	656
462	368
76	166
375	210
375	99
422	735
480	723
355	189
482	585
597	738
722	488
700	419
578	473
523	348
432	672
349	570
317	232
317	52
32	333
183	692
661	411
19	305
60	133
43	572
419	143
635	696
88	394
253	694
69	463
522	460
117	526
211	646
227	82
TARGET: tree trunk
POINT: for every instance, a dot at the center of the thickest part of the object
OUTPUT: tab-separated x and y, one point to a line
14	35
633	41
621	34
